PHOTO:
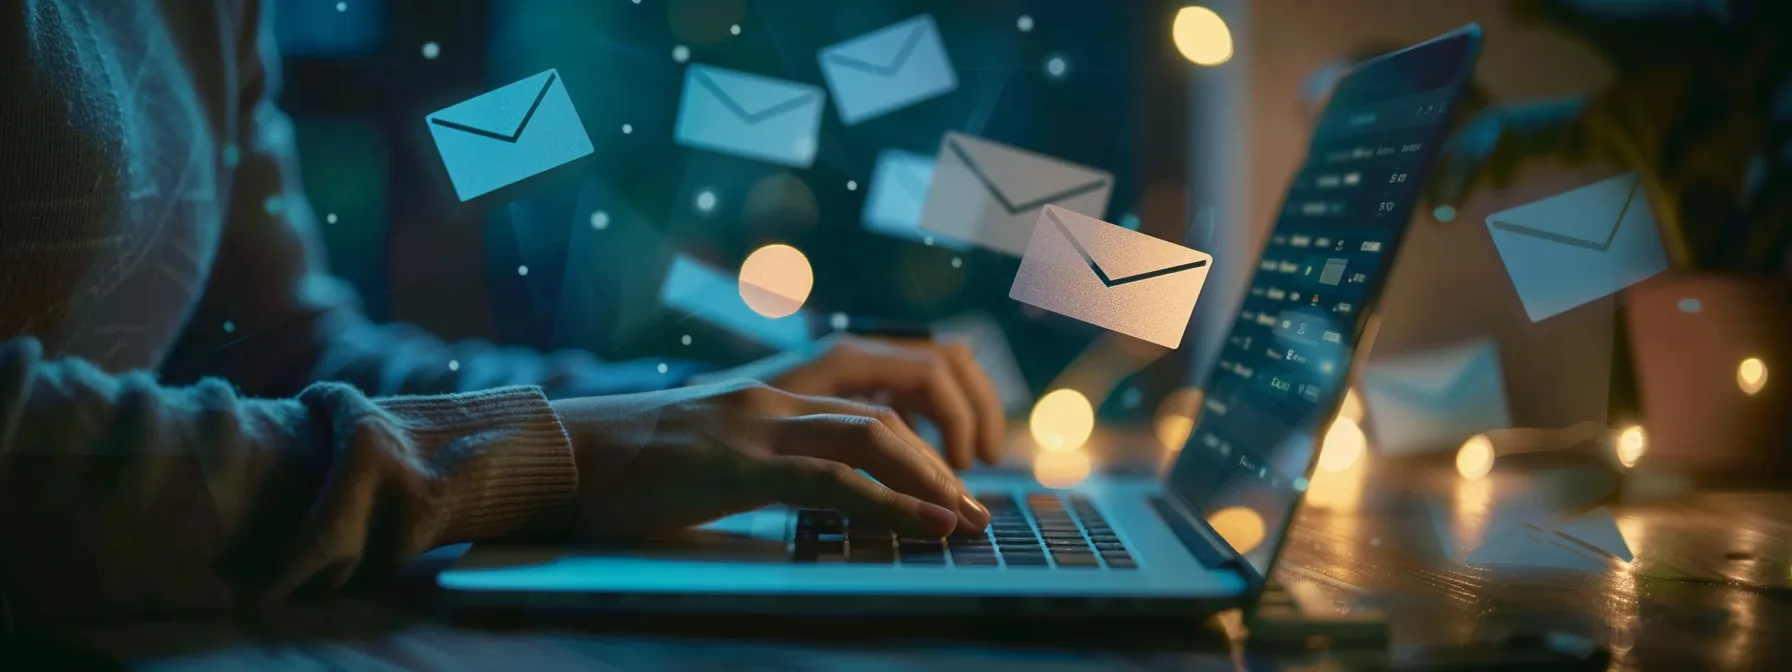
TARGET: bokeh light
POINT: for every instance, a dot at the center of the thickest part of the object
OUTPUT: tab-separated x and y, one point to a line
1202	37
1632	443
1241	527
600	220
1062	470
1062	421
1344	445
431	50
1751	375
1057	66
1024	23
681	53
1173	431
775	280
1475	458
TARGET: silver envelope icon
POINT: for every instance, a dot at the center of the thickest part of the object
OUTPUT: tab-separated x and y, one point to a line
1111	276
991	194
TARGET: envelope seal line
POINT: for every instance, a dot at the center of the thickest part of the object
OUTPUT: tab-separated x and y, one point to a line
1013	209
895	65
1105	280
512	138
751	117
1554	237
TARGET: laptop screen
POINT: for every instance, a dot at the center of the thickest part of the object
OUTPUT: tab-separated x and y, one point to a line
1286	362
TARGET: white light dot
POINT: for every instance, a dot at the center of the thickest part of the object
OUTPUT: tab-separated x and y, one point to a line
685	339
1024	23
341	6
662	367
958	262
852	185
706	200
927	240
839	321
1444	213
431	50
453	365
600	220
522	270
330	218
681	53
628	128
1056	65
734	29
229	327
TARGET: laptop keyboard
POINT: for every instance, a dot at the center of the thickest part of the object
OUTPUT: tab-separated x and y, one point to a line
1039	530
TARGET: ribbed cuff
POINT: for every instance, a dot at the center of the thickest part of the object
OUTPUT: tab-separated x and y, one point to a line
504	458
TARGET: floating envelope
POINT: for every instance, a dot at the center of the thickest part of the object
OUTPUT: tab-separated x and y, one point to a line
712	296
898	191
887	69
991	194
749	116
1572	248
1437	399
1111	277
989	346
519	130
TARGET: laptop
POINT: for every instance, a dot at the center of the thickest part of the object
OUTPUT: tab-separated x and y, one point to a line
1201	538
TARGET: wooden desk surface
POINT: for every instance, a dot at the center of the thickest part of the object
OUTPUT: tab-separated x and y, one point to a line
1708	590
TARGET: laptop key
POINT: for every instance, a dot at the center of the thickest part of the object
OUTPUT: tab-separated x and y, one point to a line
1076	561
976	561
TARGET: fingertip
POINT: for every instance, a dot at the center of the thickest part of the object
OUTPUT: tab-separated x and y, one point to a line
937	519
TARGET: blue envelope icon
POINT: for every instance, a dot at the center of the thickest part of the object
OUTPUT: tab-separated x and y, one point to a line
502	137
1435	399
749	116
1572	248
898	192
887	69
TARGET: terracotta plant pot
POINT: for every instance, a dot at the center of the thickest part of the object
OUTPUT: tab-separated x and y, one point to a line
1689	335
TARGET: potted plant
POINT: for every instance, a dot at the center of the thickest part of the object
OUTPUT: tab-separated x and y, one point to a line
1700	109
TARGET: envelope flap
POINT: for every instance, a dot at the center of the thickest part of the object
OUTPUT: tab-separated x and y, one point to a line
882	51
913	172
1121	253
1585	217
752	96
1020	179
503	112
1434	372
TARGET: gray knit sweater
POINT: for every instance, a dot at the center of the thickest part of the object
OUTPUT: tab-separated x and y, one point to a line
153	459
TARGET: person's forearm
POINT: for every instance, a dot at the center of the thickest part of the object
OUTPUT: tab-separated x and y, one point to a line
123	498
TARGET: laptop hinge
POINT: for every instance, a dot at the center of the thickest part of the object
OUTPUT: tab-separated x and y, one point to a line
1200	539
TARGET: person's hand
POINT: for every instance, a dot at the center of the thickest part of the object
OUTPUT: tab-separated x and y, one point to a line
666	460
940	381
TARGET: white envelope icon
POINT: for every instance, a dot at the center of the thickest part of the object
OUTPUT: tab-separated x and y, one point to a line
1574	247
991	194
1110	276
1437	399
989	346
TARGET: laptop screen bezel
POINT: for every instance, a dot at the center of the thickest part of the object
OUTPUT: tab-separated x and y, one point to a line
1361	336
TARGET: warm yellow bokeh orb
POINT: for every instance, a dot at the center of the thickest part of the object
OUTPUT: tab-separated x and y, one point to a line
1061	470
1242	528
1475	458
1632	443
1344	445
775	280
1173	431
1202	36
1751	375
1062	421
